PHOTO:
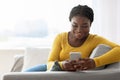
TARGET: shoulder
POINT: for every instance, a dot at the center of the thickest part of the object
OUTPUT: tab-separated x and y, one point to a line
99	39
95	36
62	35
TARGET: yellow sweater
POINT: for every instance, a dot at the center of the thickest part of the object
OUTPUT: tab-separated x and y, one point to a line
61	48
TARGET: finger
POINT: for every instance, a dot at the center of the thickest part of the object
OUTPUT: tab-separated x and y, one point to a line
78	67
84	68
72	61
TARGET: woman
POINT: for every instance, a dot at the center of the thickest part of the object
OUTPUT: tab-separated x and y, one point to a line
80	40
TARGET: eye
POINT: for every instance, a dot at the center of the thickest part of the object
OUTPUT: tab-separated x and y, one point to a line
84	26
74	26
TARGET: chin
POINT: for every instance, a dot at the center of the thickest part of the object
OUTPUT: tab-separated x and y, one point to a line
78	37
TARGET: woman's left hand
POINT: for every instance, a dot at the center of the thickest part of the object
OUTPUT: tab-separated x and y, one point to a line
84	64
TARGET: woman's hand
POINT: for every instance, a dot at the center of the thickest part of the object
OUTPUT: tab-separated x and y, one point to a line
84	64
78	65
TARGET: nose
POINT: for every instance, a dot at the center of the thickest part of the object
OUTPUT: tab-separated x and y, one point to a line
79	29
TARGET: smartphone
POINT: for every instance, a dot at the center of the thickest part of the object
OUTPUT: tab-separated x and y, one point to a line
75	55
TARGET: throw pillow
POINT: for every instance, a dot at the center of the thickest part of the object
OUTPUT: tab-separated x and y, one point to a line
18	63
35	56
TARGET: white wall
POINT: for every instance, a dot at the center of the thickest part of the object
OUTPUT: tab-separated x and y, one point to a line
7	58
107	19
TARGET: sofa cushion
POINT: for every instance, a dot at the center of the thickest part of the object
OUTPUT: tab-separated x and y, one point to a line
35	56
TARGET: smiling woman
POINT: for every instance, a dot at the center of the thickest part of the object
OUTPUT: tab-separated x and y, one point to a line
33	22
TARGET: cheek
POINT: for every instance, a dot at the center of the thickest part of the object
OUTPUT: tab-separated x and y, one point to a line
74	30
86	31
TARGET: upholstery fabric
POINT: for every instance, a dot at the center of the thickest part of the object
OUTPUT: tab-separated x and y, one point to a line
35	56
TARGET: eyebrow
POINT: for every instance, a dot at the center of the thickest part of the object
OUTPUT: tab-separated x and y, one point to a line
82	24
85	23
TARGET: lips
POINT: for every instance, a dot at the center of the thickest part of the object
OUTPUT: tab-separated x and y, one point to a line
78	35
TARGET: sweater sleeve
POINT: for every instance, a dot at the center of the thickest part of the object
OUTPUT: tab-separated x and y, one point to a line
111	56
55	51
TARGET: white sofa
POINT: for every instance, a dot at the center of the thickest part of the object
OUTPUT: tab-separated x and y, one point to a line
35	56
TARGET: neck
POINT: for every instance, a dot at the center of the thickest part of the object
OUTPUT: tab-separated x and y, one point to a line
75	42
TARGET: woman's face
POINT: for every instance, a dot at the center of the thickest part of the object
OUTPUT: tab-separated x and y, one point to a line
80	26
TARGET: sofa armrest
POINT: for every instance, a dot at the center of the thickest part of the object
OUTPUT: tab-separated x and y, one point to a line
111	74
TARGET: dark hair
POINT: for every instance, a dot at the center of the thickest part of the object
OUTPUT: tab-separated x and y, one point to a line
82	10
